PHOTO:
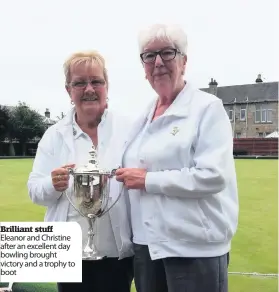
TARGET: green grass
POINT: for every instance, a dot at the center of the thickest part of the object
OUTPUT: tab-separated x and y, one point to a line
32	287
254	248
15	204
256	242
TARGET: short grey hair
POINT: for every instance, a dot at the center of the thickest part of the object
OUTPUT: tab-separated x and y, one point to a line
172	33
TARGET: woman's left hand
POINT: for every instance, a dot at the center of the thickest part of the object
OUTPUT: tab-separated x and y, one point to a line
133	178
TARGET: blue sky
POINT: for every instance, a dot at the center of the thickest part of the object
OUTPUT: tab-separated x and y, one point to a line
231	41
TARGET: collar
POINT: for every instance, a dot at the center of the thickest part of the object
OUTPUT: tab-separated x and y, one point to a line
77	131
178	108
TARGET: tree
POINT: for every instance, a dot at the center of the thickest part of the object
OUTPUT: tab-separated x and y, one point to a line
27	124
4	119
6	128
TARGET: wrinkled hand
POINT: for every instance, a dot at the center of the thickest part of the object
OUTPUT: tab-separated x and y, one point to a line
60	177
133	178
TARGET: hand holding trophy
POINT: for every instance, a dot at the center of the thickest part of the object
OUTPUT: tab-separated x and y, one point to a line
91	197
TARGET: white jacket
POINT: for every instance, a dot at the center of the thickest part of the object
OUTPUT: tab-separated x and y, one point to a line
190	207
56	148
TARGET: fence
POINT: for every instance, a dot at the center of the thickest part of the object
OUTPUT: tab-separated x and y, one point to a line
256	146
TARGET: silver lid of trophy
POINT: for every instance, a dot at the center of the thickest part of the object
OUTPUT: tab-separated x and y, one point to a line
92	165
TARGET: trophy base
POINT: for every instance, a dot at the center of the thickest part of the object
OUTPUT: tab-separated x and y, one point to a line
92	257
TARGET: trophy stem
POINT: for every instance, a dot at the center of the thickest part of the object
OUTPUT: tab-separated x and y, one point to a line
90	252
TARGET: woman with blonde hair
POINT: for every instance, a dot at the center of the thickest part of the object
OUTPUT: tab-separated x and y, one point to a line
67	144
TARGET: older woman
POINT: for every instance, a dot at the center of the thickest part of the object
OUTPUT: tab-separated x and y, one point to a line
180	175
67	143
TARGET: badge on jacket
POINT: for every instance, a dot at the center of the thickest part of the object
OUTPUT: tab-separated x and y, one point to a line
174	131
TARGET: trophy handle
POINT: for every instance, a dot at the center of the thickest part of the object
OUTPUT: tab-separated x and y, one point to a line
71	172
111	175
119	195
65	193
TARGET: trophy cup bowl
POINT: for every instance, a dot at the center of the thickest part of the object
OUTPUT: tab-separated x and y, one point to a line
91	197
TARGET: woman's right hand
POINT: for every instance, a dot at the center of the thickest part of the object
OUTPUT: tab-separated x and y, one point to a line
60	177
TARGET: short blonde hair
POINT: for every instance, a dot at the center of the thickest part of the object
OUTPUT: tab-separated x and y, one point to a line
86	57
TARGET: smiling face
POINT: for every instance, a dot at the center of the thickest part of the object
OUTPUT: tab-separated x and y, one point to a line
165	72
87	89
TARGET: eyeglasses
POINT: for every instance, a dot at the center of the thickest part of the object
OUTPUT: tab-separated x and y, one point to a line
165	54
97	83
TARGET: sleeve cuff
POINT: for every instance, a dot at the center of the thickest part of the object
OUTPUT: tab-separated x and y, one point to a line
49	188
153	182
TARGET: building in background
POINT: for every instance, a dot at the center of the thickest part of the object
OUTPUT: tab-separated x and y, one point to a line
49	122
252	108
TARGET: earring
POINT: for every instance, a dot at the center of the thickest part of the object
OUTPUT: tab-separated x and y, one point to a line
72	102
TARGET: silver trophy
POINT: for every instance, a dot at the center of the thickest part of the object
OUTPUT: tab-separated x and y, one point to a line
91	197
